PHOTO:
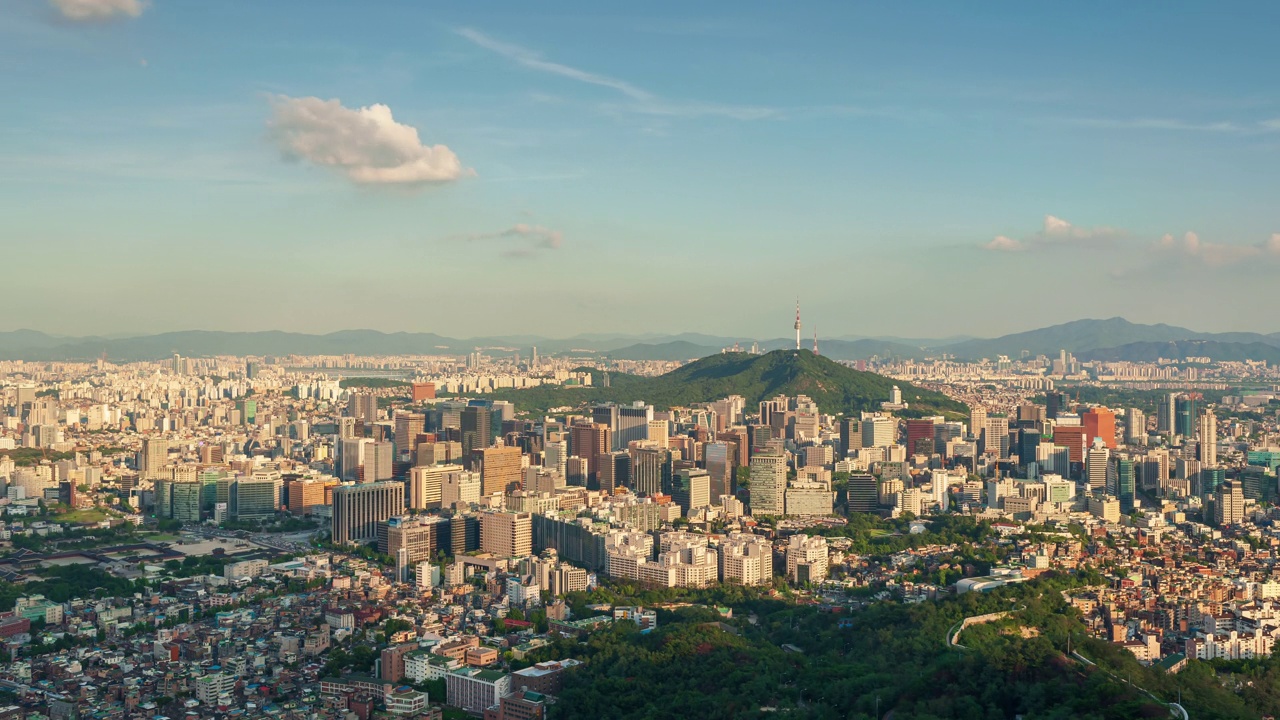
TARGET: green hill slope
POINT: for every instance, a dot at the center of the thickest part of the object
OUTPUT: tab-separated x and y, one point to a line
836	388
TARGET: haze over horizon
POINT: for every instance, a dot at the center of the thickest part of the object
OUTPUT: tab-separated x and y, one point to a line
923	171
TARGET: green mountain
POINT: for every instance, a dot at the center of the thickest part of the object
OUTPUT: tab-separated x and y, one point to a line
1182	349
1081	336
836	388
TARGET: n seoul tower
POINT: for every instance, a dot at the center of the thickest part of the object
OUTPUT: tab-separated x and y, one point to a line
797	323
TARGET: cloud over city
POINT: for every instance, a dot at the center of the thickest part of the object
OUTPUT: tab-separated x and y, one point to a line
97	10
366	144
1054	231
1218	254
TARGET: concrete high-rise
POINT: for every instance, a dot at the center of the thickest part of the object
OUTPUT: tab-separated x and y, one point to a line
613	471
506	534
768	484
718	458
363	406
357	509
426	484
692	489
1099	422
500	469
1208	432
408	426
589	441
477	430
154	456
1097	465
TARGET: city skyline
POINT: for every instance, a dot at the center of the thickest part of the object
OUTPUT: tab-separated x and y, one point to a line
238	167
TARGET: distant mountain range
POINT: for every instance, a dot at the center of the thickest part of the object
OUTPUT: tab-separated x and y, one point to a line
834	387
1111	339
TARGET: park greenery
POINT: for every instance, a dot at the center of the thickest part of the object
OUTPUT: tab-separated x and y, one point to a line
809	660
69	582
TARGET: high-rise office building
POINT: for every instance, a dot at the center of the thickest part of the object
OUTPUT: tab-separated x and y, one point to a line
155	455
850	436
1052	404
460	488
408	426
1208	433
863	493
426	485
918	432
351	457
1096	466
613	471
1184	415
420	537
718	458
379	462
633	424
500	469
768	484
363	406
589	441
1099	422
879	432
1165	414
477	430
1135	426
650	470
254	498
692	489
357	509
1228	506
1126	483
977	422
506	534
659	432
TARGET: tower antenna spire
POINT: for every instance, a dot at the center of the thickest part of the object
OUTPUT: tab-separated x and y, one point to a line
797	323
815	339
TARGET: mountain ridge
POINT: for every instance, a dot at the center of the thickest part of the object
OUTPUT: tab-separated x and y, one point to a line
1084	338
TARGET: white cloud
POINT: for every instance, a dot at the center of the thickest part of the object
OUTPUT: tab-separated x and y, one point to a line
89	10
1006	244
1218	254
367	144
641	101
530	238
1054	231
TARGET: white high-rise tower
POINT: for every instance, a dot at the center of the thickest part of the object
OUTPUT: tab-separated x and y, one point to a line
797	323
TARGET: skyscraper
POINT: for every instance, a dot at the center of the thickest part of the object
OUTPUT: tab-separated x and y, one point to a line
1099	422
476	430
613	471
363	406
719	462
768	484
357	510
155	454
426	484
1228	506
589	441
1096	466
1135	426
500	469
692	489
1208	439
1184	415
408	426
506	534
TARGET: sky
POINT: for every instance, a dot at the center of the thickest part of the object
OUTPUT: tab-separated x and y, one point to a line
918	169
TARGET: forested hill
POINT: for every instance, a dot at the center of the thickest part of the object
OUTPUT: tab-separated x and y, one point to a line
835	387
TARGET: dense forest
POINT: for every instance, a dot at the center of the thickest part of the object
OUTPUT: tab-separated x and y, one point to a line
834	387
776	657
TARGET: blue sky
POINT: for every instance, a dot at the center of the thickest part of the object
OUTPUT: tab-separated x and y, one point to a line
912	169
